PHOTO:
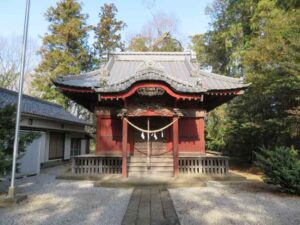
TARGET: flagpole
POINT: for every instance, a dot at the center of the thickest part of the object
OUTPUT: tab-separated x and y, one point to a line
11	190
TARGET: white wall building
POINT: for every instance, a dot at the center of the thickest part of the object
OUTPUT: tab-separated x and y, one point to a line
61	135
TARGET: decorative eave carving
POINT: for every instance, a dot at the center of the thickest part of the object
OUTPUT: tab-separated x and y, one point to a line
178	112
150	91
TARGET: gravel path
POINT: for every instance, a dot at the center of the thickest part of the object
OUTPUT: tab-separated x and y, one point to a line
59	202
234	204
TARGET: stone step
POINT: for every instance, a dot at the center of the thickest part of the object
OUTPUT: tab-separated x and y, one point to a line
152	169
150	174
153	149
153	154
152	159
159	153
151	163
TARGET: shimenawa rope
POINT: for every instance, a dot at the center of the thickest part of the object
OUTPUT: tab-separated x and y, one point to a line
150	131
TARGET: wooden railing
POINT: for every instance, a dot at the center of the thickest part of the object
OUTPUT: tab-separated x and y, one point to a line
204	165
96	165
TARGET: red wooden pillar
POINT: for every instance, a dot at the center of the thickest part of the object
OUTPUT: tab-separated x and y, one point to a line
98	133
202	135
124	147
175	146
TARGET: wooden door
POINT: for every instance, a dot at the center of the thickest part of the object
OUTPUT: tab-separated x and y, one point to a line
157	145
56	145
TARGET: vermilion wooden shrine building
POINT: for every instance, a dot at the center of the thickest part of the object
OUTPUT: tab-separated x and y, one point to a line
150	110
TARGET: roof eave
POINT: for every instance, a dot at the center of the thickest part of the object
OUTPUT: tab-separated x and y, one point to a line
56	119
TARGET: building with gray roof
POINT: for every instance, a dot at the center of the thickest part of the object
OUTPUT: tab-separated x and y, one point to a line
151	107
62	135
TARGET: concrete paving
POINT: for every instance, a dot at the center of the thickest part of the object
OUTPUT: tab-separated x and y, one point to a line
117	181
169	182
150	206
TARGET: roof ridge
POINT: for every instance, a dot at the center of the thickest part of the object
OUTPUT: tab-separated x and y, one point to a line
218	76
82	75
30	97
150	53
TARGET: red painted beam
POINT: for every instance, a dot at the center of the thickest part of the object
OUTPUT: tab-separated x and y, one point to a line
124	147
175	147
150	85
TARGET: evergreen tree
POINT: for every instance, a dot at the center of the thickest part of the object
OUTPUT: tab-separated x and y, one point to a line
7	131
138	44
261	44
225	43
199	47
165	43
65	50
107	31
281	167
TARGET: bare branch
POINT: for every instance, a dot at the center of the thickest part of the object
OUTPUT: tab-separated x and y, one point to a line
10	60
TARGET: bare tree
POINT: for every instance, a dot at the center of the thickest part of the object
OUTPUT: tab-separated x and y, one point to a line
160	24
10	60
150	4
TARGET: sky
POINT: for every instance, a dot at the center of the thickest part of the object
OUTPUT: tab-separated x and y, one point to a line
189	13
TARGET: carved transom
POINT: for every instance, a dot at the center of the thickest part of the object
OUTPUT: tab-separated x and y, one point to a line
150	91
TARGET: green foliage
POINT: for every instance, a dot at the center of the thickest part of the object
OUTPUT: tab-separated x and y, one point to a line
222	48
107	31
199	47
8	79
65	49
288	4
215	131
258	40
138	44
7	130
281	166
165	43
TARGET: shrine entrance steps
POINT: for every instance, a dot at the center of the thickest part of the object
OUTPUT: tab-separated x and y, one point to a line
138	166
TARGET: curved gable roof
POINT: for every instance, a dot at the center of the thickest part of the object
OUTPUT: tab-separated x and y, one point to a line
178	69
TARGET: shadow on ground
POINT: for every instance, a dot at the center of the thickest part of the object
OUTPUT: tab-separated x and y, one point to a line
235	203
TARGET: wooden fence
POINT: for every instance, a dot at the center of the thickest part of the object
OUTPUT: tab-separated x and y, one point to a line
204	165
96	165
215	166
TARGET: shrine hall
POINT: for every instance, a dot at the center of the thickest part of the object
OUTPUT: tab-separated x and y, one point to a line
150	110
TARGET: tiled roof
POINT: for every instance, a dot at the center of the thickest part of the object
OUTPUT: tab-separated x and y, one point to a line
38	107
178	69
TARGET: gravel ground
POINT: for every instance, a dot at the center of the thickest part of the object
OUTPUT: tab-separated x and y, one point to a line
235	204
59	202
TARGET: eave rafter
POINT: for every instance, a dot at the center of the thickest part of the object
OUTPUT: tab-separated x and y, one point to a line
75	90
225	92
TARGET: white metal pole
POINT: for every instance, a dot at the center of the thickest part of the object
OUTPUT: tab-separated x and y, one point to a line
11	190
